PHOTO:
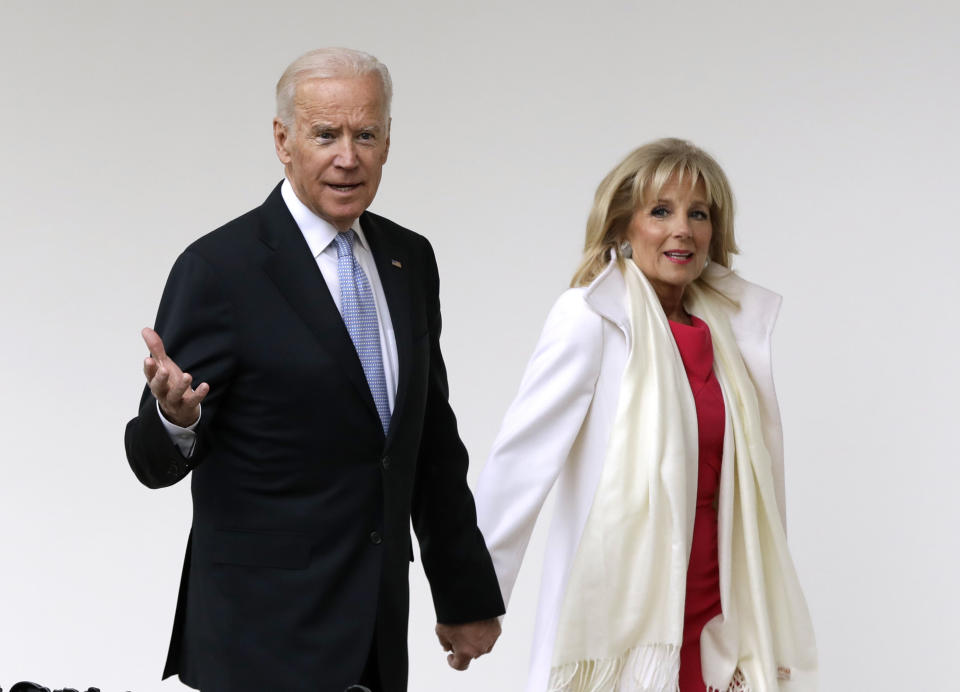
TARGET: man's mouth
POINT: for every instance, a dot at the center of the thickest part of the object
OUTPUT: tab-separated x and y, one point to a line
344	188
678	256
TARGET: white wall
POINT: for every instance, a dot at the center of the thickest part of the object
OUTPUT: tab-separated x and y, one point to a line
129	129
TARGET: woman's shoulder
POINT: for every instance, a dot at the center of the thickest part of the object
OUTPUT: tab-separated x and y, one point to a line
571	307
755	307
573	299
571	321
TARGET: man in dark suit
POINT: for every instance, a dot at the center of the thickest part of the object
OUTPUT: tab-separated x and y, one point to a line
321	424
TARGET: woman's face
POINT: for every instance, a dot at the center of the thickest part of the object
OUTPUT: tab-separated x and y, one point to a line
670	236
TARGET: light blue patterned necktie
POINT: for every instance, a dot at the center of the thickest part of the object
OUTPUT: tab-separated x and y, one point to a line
360	316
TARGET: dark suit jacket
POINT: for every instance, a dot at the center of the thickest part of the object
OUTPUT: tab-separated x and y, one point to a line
300	542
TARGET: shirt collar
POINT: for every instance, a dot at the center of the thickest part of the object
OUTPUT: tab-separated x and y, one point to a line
318	232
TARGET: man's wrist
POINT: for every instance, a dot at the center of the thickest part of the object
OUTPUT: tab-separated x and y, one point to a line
185	425
185	438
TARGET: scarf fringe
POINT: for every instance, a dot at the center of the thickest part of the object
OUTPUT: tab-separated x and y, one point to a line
738	683
650	668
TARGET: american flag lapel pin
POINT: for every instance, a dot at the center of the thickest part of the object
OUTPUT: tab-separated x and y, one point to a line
397	264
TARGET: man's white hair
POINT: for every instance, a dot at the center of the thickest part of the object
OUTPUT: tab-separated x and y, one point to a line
329	63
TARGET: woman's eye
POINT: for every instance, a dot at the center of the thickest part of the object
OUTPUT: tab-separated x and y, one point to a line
659	212
699	215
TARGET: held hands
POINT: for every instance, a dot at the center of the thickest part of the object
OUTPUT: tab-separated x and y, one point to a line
179	402
467	641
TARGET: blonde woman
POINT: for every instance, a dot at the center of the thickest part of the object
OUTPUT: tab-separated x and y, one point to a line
649	403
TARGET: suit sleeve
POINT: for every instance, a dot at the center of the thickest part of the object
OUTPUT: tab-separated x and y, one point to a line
538	432
195	321
455	558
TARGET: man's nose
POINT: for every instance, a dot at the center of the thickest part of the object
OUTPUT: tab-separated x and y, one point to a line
347	155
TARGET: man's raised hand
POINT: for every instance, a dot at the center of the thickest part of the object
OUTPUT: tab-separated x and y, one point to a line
179	402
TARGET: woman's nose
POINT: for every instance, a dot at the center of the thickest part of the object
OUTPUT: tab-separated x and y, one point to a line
682	228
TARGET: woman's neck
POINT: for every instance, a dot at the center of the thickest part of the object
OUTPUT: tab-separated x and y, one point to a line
672	304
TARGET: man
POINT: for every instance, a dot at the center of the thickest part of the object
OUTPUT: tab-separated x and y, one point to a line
321	423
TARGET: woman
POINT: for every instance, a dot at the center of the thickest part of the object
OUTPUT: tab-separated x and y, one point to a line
649	403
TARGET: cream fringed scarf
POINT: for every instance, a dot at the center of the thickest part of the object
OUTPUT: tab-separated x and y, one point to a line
621	622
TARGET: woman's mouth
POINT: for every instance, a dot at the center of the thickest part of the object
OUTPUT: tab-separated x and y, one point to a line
679	257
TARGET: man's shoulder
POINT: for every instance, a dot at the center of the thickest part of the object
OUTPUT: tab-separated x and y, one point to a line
232	245
384	225
232	232
237	239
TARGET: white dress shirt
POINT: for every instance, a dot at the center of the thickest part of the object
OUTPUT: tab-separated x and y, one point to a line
319	235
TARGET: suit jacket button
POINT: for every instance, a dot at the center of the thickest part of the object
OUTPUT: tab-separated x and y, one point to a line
385	463
376	538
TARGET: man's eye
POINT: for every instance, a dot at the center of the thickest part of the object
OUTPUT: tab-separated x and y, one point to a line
366	136
324	135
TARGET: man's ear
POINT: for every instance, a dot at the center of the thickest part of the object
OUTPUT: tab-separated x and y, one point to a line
386	149
281	140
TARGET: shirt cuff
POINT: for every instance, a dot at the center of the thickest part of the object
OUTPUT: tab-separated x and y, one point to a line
184	438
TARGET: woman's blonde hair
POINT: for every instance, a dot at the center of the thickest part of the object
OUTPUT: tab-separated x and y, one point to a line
644	172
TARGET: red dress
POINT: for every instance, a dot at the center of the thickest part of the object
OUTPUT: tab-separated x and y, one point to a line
703	574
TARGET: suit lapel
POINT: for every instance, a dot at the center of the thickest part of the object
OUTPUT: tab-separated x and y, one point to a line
294	270
387	253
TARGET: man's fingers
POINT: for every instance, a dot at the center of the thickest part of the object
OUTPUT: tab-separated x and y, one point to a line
193	397
158	383
468	641
179	384
150	368
154	343
444	640
162	379
458	661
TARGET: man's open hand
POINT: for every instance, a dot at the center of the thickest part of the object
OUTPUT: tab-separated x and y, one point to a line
179	402
468	641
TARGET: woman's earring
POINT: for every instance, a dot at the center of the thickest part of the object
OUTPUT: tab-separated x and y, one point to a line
626	249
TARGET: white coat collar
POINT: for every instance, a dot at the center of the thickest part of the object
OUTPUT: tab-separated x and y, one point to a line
753	309
607	294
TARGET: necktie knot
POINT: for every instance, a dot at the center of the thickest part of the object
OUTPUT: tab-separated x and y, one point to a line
344	241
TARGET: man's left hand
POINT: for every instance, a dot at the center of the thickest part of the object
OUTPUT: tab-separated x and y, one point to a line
468	641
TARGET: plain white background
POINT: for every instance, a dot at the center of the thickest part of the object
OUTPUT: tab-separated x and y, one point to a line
129	129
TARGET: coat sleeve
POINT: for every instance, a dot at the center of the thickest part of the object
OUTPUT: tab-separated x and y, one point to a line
538	431
461	575
195	321
753	326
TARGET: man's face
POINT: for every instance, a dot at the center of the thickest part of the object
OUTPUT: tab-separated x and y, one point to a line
335	154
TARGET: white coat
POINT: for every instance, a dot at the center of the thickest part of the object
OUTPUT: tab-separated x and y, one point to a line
557	429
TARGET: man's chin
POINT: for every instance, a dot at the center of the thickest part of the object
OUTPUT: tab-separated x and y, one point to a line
339	212
343	216
345	212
